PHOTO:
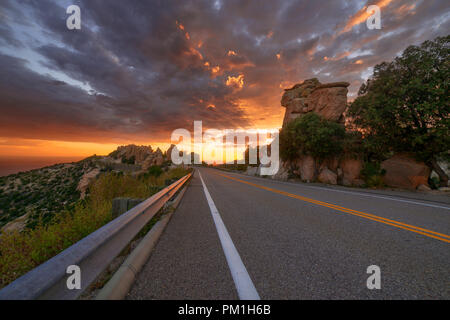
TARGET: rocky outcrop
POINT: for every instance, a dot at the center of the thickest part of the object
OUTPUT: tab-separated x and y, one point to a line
143	156
169	152
283	172
138	153
304	168
154	159
16	225
423	188
328	100
351	171
327	176
403	171
86	180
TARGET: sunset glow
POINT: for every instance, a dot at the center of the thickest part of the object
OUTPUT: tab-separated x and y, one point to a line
166	66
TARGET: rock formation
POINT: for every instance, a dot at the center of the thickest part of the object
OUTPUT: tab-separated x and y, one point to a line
85	180
351	170
140	153
142	157
328	100
154	159
305	168
402	171
327	176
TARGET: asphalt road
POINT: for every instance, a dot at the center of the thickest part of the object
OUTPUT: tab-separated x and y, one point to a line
297	241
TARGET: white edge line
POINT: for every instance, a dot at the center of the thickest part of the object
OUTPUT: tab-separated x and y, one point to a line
244	285
350	192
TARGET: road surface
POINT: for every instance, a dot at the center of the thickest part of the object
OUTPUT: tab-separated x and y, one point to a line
236	236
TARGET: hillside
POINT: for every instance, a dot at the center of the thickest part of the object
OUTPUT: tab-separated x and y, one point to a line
37	195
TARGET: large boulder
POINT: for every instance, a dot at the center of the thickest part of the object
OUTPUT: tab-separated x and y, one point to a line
351	170
331	163
327	176
328	100
403	171
300	90
304	168
424	188
283	172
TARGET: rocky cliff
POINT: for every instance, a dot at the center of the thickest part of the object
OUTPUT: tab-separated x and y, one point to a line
144	156
328	100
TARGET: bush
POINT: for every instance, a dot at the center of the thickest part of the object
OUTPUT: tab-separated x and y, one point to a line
434	182
311	135
155	171
373	174
314	136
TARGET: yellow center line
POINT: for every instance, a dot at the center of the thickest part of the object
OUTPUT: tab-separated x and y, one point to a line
397	224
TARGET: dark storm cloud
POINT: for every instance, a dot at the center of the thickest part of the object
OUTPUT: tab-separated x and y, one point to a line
154	66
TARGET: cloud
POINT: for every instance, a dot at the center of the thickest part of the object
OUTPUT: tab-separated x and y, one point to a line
362	15
236	82
139	69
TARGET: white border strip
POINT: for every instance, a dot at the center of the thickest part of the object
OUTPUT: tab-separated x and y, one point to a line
244	285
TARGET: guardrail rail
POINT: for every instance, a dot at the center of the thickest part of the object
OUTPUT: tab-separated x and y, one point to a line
92	254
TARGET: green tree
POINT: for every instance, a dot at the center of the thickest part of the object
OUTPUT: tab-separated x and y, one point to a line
405	105
311	135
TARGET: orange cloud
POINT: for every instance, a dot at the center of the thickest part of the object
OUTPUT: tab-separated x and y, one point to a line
361	16
231	53
215	70
195	52
338	57
180	26
236	82
405	9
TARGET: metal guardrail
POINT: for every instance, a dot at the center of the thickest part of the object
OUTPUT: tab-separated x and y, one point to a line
92	253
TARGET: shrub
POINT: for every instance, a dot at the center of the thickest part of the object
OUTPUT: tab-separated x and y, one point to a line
314	136
155	171
311	135
373	174
434	182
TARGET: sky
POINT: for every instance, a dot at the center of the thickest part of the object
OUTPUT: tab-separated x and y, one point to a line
137	70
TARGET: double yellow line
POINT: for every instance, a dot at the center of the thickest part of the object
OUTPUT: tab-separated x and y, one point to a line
397	224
